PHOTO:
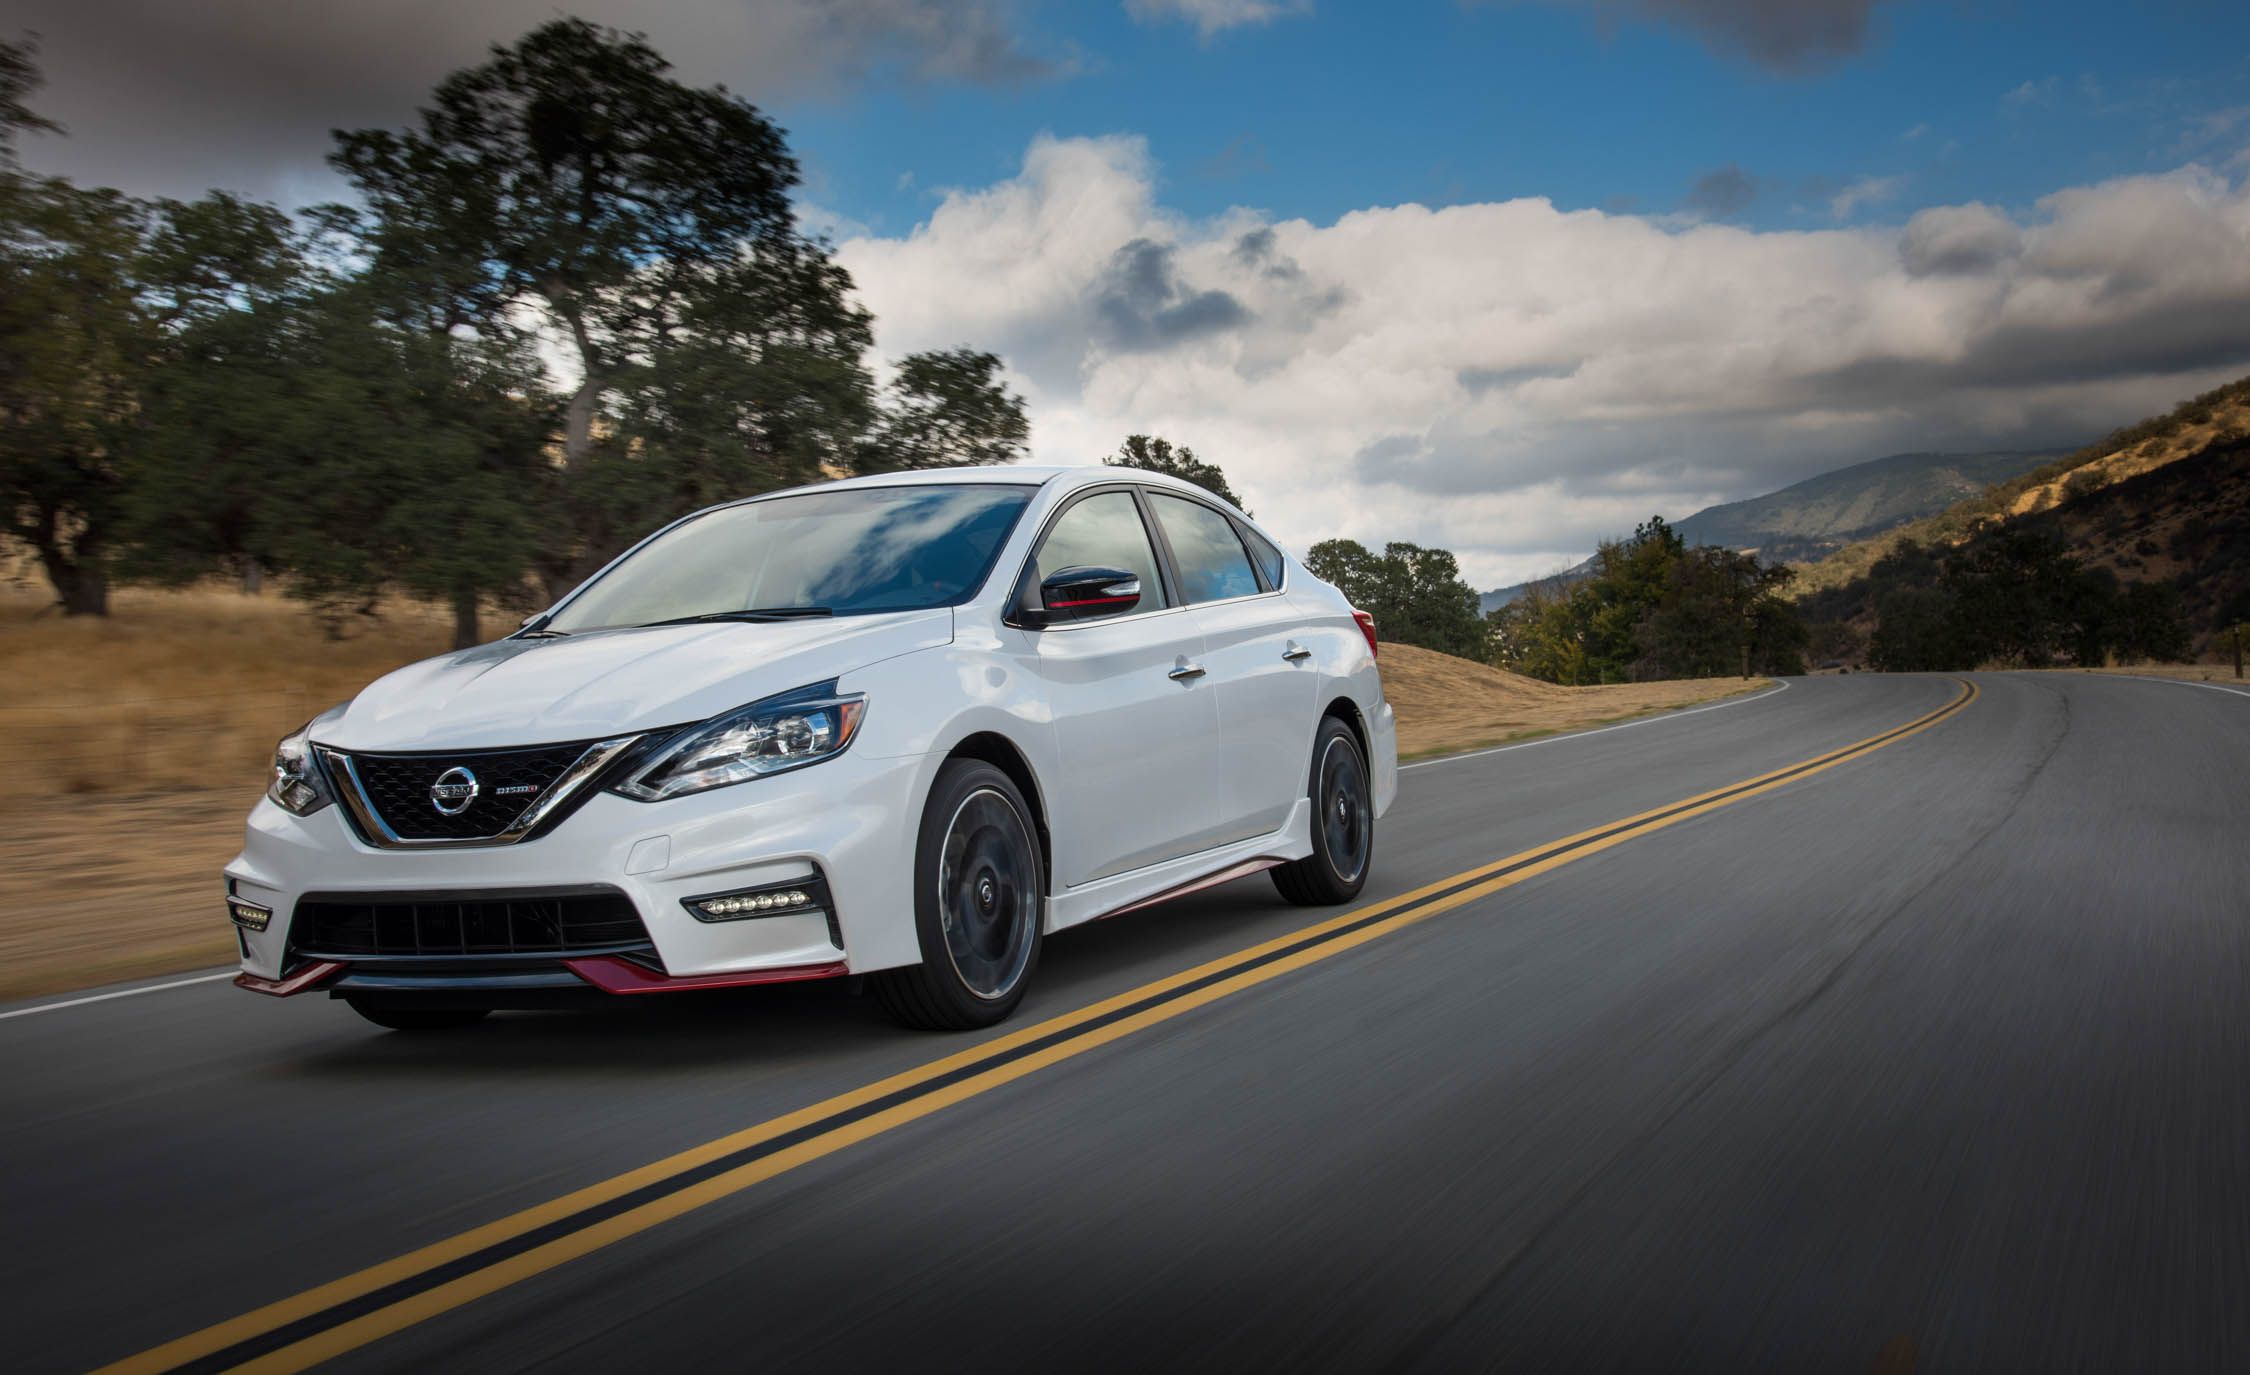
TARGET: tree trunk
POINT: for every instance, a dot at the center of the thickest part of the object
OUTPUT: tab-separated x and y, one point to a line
562	569
466	632
86	593
253	577
81	583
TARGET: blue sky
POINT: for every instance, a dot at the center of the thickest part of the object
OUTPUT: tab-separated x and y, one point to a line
1347	106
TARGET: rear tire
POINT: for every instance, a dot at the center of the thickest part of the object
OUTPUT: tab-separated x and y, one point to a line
979	904
418	1018
1343	829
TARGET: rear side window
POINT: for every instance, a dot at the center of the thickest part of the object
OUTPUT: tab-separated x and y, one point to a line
1267	557
1213	564
1102	531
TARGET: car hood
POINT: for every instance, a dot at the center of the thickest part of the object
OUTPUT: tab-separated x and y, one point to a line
614	682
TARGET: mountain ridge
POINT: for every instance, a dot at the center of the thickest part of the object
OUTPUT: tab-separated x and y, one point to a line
1810	519
2184	431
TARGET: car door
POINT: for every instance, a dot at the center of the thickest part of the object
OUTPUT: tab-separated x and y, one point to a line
1264	678
1135	724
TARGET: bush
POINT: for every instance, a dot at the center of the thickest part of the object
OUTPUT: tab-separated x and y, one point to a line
1653	608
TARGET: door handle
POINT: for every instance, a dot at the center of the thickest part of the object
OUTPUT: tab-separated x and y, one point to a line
1185	671
1295	652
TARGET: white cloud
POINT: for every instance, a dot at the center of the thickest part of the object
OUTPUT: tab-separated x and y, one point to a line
1969	239
1865	191
822	222
2031	93
1513	381
1211	16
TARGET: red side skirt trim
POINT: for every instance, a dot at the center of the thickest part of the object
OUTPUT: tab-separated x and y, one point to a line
1227	875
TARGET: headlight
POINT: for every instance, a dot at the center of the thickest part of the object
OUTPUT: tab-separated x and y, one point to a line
768	737
297	784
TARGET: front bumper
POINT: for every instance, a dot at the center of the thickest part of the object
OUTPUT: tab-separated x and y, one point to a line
842	820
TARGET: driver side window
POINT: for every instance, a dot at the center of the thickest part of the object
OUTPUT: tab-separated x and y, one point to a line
1101	531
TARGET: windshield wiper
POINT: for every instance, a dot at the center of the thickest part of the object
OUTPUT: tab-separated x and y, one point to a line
763	613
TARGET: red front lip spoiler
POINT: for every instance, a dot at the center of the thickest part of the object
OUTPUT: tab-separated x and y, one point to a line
612	974
609	973
316	973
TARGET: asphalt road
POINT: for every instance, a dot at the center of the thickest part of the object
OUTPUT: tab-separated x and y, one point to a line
1940	1054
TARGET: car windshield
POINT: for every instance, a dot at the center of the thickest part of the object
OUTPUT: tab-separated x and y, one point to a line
842	553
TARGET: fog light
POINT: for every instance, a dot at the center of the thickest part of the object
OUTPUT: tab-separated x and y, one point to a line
794	898
249	915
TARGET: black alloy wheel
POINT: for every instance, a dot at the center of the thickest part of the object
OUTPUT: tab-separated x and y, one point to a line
1343	823
979	899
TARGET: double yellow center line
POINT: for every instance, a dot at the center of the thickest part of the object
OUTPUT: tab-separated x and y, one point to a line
360	1308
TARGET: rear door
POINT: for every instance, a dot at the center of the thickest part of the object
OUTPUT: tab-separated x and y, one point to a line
1264	678
1136	728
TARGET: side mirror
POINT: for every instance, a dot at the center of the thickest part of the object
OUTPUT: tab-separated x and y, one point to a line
1083	594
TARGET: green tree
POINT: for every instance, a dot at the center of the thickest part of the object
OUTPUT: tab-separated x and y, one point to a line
2150	626
1156	455
108	307
946	409
1653	608
74	345
1719	612
1416	595
1917	631
570	181
1833	640
222	279
2022	599
19	81
1545	634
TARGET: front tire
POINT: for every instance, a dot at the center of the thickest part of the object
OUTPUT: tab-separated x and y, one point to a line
1343	830
396	1018
979	899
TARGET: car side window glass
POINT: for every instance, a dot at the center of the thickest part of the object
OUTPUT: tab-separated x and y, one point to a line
1261	549
1102	531
1212	562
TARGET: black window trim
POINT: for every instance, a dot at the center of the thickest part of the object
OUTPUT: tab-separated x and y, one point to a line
1158	550
1245	531
1156	525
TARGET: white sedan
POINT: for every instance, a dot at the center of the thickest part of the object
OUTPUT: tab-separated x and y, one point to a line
900	726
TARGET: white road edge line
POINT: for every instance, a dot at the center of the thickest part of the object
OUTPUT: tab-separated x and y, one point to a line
120	993
1781	686
1449	759
2178	682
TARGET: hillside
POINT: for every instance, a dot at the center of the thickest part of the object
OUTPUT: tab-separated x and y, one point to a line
2186	521
2190	429
1807	520
1446	704
1810	518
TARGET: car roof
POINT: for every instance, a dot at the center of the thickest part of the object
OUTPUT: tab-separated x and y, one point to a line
1061	475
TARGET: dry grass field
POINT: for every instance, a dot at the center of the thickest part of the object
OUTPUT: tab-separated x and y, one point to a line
1446	705
130	750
